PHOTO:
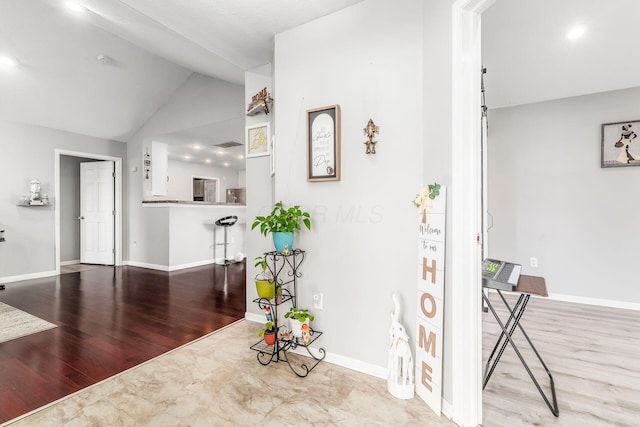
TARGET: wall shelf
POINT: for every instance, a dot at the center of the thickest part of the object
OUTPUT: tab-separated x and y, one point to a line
260	107
29	205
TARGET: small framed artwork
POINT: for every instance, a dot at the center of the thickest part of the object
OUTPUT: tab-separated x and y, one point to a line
323	144
620	144
257	140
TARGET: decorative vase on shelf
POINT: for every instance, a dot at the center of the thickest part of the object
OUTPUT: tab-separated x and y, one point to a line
283	241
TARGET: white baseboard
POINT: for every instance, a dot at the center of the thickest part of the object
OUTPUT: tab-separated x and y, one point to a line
72	262
190	265
147	265
590	301
252	317
596	301
333	358
21	277
447	409
167	267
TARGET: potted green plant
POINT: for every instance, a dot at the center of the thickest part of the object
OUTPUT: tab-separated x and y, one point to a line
281	223
264	280
299	319
269	333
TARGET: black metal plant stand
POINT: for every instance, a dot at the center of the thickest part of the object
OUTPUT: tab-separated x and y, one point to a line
285	269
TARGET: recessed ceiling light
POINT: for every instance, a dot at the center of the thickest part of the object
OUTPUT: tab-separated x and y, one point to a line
74	6
226	164
219	152
207	160
8	61
186	157
196	147
240	156
576	32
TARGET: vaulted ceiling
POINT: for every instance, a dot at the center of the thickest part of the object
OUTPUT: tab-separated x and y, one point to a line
150	47
105	69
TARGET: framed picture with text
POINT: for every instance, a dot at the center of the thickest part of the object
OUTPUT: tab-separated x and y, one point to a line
620	144
257	140
323	144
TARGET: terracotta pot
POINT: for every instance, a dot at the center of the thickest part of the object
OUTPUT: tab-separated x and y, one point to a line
270	338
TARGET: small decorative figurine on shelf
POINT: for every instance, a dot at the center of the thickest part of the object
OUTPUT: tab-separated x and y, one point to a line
267	313
35	191
284	334
370	131
306	334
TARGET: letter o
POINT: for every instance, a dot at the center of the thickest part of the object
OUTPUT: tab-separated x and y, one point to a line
432	312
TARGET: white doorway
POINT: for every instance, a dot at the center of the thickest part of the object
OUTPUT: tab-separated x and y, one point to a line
467	212
115	212
97	212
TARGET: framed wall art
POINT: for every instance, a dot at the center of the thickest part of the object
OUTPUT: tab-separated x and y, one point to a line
323	144
257	140
620	144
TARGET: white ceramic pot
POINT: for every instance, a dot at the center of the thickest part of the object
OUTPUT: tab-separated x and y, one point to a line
296	327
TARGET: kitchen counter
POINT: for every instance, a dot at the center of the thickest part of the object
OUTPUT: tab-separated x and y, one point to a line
189	202
184	233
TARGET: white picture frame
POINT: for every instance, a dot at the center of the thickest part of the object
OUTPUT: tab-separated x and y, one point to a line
257	140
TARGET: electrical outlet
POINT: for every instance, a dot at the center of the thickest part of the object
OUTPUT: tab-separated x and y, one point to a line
533	262
135	243
317	301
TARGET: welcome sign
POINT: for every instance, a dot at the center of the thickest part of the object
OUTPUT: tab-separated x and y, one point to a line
431	254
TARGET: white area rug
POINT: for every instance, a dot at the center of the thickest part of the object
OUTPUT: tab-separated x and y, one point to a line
16	323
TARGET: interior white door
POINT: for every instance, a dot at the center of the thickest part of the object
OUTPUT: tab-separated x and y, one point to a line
97	212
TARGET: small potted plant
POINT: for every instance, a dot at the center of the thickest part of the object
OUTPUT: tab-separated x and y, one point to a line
269	333
264	279
299	319
281	223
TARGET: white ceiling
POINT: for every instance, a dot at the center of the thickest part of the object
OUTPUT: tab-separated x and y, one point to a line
529	58
156	44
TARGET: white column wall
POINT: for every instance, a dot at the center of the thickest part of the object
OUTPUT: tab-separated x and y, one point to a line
368	59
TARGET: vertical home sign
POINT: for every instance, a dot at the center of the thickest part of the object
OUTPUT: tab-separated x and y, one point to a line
431	250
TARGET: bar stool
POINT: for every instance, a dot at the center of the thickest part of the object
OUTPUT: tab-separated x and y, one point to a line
225	222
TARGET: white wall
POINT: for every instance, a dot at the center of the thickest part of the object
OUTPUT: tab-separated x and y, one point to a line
180	186
201	100
368	59
28	153
258	180
550	199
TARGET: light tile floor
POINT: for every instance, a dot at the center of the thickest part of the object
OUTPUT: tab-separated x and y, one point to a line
217	381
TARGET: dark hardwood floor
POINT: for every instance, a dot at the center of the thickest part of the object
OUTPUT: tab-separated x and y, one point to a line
109	320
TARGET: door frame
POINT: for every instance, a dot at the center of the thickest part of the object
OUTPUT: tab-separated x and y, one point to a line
117	201
466	229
